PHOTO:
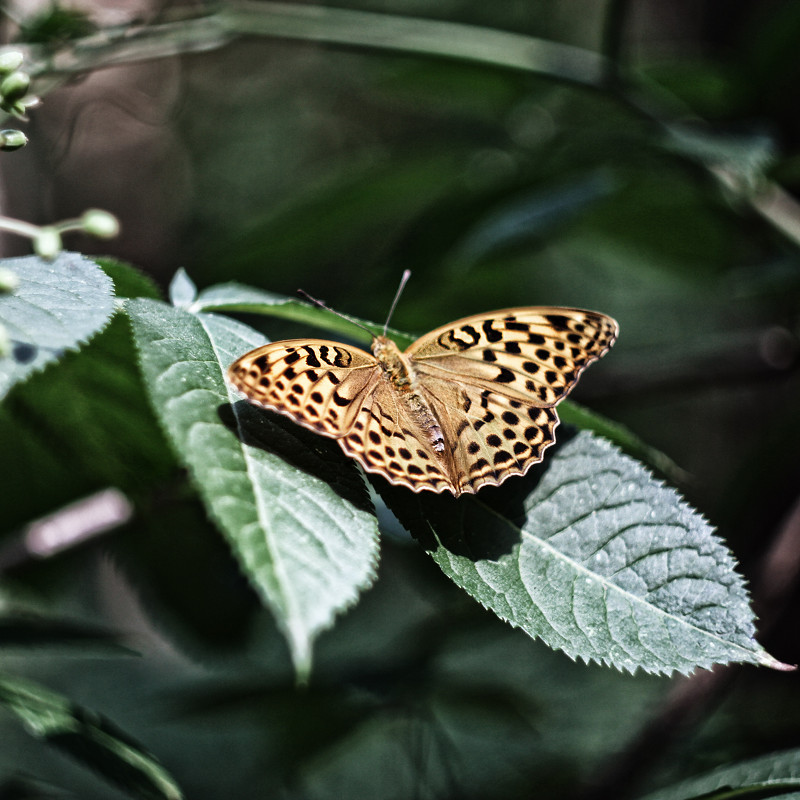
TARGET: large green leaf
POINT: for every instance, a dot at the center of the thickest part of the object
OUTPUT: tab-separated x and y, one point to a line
88	738
596	558
774	775
293	508
56	307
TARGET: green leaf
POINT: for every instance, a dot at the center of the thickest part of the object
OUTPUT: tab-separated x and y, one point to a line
88	738
774	775
182	290
128	280
596	558
573	413
238	297
293	507
57	306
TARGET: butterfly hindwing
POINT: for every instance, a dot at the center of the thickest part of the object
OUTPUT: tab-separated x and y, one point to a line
490	436
386	440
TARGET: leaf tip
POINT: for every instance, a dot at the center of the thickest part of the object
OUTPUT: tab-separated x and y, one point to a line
767	660
182	291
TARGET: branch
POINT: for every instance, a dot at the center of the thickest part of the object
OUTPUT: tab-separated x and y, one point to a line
319	24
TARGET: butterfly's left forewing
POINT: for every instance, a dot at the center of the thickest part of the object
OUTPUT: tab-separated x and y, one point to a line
319	384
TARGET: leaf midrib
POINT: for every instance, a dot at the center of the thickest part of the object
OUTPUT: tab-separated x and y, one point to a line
610	586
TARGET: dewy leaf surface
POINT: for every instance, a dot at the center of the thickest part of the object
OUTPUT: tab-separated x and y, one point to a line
56	307
293	508
596	558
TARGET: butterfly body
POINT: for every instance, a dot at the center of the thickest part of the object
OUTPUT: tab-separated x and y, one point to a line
399	371
466	405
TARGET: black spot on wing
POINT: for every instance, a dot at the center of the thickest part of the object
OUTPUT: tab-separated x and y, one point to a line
311	357
489	332
558	321
343	357
517	326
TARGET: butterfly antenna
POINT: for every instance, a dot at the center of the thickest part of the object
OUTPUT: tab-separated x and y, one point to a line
403	282
320	304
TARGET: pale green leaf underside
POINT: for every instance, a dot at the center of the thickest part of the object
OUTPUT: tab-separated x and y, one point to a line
88	738
306	548
774	775
608	565
57	306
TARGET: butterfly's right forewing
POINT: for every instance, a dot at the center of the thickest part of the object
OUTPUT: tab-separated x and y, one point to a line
319	384
534	354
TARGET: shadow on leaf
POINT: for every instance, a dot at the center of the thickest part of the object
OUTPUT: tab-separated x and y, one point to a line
301	448
482	526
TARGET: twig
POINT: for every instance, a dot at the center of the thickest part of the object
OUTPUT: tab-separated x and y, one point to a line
67	528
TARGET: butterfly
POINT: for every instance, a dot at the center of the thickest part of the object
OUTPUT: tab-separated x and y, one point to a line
465	406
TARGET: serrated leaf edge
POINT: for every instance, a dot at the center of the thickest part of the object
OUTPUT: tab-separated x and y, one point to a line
301	650
756	655
80	343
